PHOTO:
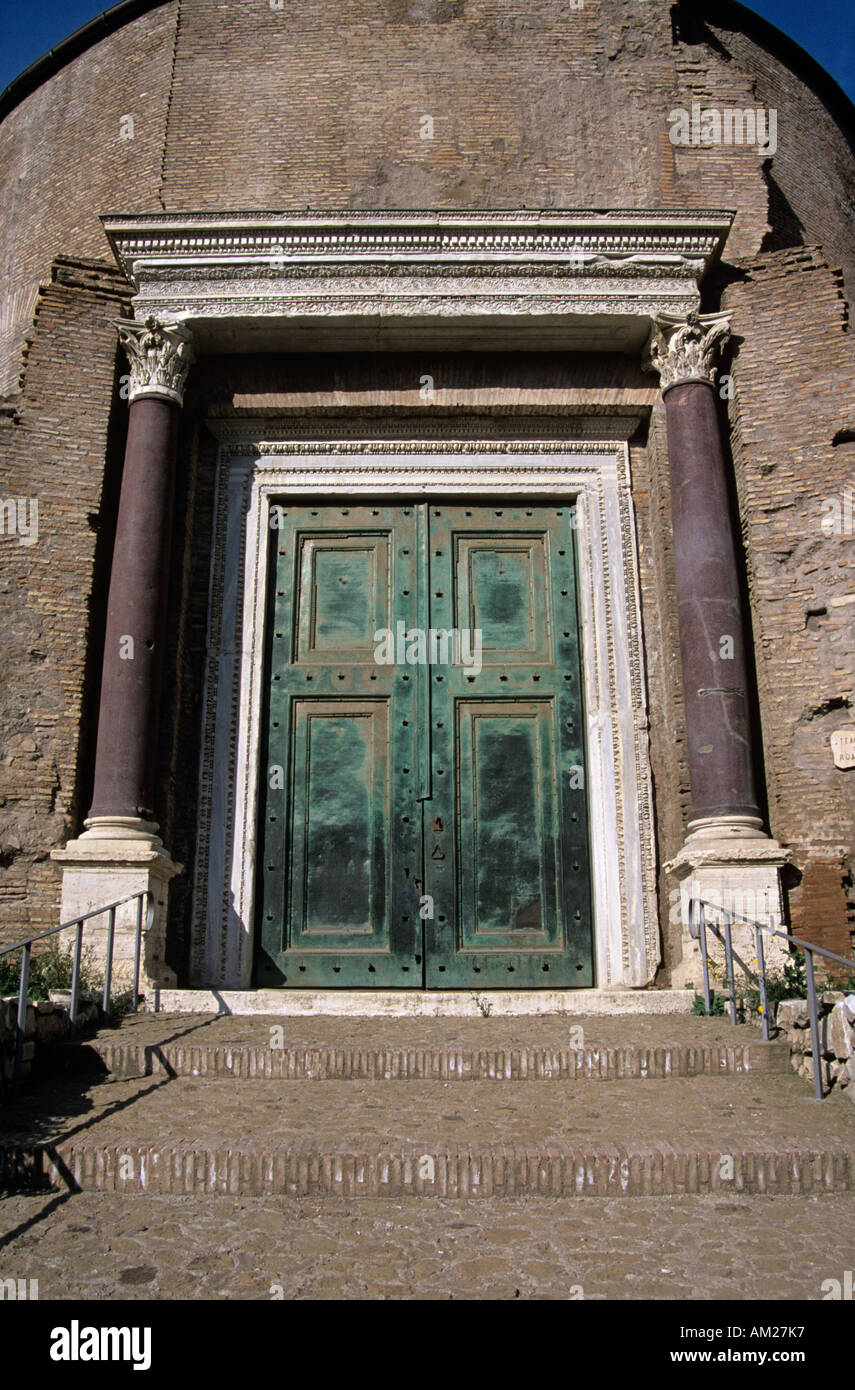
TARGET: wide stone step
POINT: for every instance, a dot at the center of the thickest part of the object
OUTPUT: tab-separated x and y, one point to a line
184	1136
404	1050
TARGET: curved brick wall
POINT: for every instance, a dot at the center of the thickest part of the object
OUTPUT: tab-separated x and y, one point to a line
320	103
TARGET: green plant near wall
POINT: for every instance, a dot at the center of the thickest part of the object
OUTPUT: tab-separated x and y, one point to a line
718	1003
51	968
790	982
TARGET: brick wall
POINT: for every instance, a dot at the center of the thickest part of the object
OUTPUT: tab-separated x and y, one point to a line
793	372
320	104
63	160
55	448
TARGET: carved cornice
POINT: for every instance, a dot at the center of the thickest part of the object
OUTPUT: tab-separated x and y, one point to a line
384	237
685	349
447	435
591	279
159	355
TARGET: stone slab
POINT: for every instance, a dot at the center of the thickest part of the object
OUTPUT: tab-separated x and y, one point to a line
422	1003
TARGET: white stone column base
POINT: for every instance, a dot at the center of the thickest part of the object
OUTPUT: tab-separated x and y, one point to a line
740	873
100	868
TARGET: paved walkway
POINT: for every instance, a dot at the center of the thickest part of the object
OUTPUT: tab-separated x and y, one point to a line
546	1031
96	1246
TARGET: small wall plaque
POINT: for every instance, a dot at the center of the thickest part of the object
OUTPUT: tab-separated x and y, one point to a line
843	747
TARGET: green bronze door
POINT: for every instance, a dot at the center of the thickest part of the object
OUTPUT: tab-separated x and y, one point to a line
506	831
424	811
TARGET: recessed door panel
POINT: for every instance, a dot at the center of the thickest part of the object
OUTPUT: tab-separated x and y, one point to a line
500	588
341	823
507	824
344	596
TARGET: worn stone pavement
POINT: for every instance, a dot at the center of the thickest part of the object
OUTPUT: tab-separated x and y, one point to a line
99	1245
721	1116
531	1031
93	1246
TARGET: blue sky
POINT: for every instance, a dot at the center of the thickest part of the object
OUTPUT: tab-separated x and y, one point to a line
826	28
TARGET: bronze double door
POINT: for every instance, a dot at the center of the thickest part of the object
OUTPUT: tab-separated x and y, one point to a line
423	817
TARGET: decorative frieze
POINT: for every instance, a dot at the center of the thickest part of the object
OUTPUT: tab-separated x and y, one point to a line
159	356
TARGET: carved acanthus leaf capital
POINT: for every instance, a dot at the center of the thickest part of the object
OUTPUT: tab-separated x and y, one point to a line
160	356
685	349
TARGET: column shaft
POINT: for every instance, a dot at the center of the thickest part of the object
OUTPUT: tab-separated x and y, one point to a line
136	615
712	640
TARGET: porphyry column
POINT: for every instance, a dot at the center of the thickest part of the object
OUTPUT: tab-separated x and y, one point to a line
727	859
119	852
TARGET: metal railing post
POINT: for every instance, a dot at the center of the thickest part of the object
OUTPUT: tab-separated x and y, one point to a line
761	966
75	978
702	931
728	948
108	966
21	1032
814	1023
25	947
138	950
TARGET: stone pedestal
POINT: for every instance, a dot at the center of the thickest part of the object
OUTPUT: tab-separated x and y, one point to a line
109	861
737	869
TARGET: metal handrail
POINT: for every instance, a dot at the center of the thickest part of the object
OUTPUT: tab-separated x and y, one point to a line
699	933
26	947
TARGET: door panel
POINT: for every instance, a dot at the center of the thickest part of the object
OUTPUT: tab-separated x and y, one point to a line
498	583
507	845
344	596
341	822
386	782
506	824
340	854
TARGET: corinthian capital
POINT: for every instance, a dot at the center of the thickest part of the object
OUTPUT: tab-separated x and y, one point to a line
160	356
685	349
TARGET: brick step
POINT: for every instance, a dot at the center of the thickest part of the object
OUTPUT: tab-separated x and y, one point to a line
436	1170
397	1062
440	1049
208	1137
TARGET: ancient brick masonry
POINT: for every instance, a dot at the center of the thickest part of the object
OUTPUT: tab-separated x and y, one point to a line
793	399
54	446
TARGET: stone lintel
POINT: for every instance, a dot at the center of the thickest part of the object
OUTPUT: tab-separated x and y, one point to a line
545	280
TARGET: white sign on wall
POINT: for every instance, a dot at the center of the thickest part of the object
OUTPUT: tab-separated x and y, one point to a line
843	747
